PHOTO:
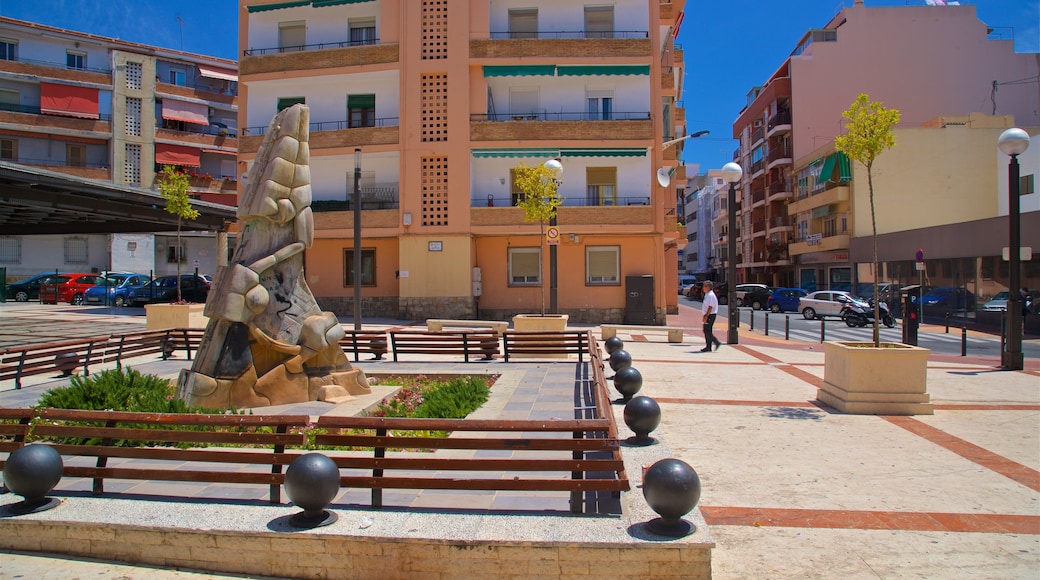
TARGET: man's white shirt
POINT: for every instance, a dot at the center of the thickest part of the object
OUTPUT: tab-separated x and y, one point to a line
710	301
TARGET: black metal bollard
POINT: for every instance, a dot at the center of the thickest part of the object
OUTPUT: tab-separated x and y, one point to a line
964	341
752	318
823	330
767	324
947	323
1003	332
787	328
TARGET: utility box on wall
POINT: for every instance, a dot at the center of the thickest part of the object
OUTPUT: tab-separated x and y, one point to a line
639	300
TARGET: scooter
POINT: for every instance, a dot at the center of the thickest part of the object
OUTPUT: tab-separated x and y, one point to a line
857	313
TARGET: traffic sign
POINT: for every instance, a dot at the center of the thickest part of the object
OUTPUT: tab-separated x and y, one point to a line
920	266
552	235
919	256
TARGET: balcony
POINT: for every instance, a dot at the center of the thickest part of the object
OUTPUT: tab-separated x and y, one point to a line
836	194
378	196
757	168
551	44
326	134
758	197
779	190
88	170
779	224
823	244
46	70
207	136
556	126
779	155
757	136
779	123
493	218
492	200
217	91
31	118
316	57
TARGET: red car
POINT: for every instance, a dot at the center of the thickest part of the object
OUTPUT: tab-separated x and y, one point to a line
69	288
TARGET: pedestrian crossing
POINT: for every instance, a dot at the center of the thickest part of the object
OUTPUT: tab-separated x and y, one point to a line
838	330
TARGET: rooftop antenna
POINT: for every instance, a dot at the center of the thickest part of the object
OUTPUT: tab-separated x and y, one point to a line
180	23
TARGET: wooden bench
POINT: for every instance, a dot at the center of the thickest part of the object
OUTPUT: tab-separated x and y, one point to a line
100	434
438	324
611	330
14	426
577	456
361	341
547	343
483	343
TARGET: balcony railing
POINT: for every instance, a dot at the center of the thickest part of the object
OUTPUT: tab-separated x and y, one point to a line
376	197
306	47
331	126
492	200
758	134
779	187
53	64
60	163
780	222
201	130
229	89
758	165
779	152
781	118
34	110
551	34
563	116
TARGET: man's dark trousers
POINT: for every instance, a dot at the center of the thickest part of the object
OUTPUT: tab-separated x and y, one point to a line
709	336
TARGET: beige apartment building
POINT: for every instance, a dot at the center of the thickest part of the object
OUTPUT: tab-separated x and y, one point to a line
443	99
801	220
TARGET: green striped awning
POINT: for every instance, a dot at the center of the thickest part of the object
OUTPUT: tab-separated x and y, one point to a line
828	168
361	101
844	167
516	153
277	6
528	70
821	211
608	70
324	3
606	152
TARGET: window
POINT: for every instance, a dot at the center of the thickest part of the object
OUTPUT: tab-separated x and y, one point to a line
75	59
1026	184
525	267
514	190
9	100
368	267
361	111
829	227
601	185
523	23
75	155
693	216
9	149
8	50
599	21
601	265
178	77
292	36
286	102
10	250
76	251
362	31
171	254
600	105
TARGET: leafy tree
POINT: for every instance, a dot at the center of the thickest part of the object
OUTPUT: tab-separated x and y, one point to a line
174	188
868	134
540	198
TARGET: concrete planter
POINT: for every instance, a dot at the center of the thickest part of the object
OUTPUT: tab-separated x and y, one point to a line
539	322
161	316
863	380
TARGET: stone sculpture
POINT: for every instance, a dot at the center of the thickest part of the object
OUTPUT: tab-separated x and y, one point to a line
268	342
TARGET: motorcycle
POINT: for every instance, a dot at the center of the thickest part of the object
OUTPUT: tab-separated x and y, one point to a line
857	313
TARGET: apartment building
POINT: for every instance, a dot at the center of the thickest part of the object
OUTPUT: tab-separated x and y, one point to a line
443	99
104	109
700	255
796	195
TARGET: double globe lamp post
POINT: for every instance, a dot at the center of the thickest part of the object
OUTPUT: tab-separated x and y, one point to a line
1013	143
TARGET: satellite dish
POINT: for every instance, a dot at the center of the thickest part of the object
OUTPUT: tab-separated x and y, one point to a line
664	176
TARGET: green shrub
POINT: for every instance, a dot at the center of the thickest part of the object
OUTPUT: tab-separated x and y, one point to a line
454	399
116	390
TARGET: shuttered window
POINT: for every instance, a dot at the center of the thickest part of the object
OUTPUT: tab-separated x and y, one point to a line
524	267
602	265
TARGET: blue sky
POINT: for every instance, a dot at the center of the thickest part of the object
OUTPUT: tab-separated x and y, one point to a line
729	46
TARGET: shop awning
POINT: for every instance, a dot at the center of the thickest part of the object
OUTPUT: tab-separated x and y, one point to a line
69	101
516	153
220	152
607	152
324	3
175	110
167	154
844	168
827	171
527	70
277	6
609	70
213	72
361	101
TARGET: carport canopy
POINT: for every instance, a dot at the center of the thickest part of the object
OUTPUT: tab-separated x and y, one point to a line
37	201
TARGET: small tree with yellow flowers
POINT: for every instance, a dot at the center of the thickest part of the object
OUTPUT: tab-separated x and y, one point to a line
173	185
539	199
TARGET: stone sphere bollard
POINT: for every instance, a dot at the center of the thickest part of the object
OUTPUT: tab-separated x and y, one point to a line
32	472
628	381
613	344
619	359
672	489
311	482
642	415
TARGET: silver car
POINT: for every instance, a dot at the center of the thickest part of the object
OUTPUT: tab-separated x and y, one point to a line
824	303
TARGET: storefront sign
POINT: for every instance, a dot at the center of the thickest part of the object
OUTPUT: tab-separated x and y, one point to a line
824	257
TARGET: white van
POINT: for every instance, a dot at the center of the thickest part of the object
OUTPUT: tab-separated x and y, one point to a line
685	280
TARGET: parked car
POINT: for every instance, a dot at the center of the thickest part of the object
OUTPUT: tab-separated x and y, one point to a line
742	290
825	303
696	292
948	299
164	289
758	298
114	288
685	280
785	299
998	303
28	289
66	288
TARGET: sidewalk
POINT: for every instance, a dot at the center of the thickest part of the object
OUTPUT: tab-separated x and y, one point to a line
793	490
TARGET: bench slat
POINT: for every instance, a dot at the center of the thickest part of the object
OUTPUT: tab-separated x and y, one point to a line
485	484
433	464
120	433
468	443
174	475
493	425
205	455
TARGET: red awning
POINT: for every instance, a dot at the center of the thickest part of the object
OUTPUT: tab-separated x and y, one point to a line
213	72
220	152
175	110
176	155
69	101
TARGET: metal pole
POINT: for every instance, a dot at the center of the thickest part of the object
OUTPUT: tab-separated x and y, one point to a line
1014	360
753	320
553	269
787	328
731	272
767	324
357	238
823	330
964	341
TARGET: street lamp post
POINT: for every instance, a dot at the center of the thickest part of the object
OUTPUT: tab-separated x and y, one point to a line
731	173
357	238
1013	143
556	167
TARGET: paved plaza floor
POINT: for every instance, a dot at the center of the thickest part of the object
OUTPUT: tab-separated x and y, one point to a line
791	488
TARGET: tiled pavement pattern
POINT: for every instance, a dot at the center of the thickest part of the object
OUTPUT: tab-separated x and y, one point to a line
793	490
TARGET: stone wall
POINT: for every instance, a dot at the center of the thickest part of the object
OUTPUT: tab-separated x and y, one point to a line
421	308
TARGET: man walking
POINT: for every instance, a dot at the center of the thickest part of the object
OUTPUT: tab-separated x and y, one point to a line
710	309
